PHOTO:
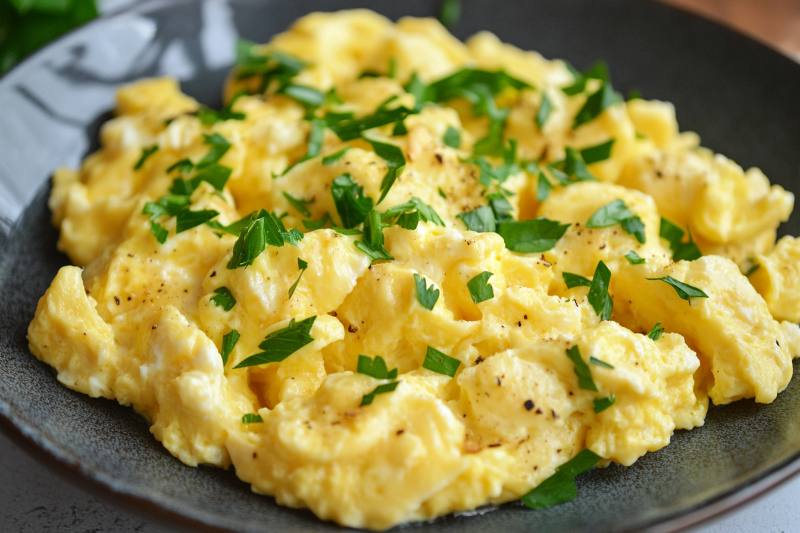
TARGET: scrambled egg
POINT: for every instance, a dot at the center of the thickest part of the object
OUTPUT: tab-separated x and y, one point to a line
532	370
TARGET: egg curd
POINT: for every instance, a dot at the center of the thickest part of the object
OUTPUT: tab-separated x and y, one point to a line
399	276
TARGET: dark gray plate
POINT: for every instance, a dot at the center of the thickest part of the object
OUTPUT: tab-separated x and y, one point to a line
740	96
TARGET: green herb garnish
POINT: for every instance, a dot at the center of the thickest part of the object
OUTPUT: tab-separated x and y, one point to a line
543	187
560	487
450	12
223	297
597	102
545	108
582	371
598	152
375	367
380	389
282	343
452	137
598	295
617	212
335	156
683	290
188	219
229	341
408	214
634	258
656	332
681	250
372	241
395	161
440	363
479	288
146	153
481	219
302	266
599	362
575	280
601	404
531	236
351	203
299	204
251	418
426	296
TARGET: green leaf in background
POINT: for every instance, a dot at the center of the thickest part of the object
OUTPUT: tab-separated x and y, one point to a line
27	25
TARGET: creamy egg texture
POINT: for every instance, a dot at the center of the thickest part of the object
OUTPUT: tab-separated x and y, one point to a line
399	276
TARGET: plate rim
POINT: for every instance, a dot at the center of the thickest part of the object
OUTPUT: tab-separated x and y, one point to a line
37	444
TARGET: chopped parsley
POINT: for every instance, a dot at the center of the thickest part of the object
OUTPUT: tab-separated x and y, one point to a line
351	203
251	418
440	363
223	297
375	368
268	66
450	12
302	266
308	97
598	152
147	151
545	108
575	167
479	288
681	250
282	343
348	128
582	371
596	103
258	230
229	341
159	232
617	212
299	204
598	71
561	487
656	332
575	280
634	258
601	404
188	219
598	295
395	161
683	290
218	147
543	187
426	296
531	236
481	219
208	116
372	241
408	214
599	362
335	156
316	137
452	137
368	398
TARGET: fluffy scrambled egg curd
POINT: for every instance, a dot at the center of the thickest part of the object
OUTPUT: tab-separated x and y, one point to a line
399	276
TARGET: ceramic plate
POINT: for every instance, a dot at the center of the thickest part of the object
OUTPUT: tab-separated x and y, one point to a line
739	95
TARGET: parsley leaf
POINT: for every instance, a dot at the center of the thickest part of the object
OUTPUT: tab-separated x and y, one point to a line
601	404
575	167
351	203
531	236
335	156
299	204
219	146
479	288
302	265
426	296
349	128
598	152
683	290
440	363
229	341
282	343
543	187
408	214
575	280
598	296
223	297
375	368
634	258
452	137
673	234
545	108
188	219
269	66
380	389
159	232
395	161
560	487
616	212
480	219
146	153
450	12
599	362
258	230
597	102
372	241
309	97
582	371
656	332
251	418
500	206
